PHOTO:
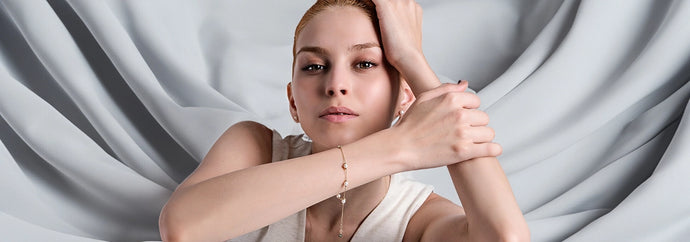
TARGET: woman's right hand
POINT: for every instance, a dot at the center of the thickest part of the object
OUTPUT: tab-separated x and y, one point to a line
444	127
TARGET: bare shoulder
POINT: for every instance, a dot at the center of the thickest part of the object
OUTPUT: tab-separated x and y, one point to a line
437	218
244	144
250	130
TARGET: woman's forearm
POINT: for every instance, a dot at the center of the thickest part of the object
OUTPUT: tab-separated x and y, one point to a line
227	206
490	207
491	210
419	74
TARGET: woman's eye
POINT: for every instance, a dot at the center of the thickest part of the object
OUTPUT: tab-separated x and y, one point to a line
313	68
365	65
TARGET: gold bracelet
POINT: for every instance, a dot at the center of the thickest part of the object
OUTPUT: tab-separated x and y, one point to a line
341	196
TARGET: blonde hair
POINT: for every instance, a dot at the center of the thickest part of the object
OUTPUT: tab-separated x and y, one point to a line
365	5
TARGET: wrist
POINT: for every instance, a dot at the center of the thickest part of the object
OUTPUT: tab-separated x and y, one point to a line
408	61
395	144
417	72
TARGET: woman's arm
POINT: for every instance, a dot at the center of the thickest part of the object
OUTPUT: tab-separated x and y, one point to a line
492	213
490	210
236	189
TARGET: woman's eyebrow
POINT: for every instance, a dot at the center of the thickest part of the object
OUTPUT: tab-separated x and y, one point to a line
359	47
323	52
314	49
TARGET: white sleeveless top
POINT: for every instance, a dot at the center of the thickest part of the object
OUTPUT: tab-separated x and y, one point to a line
387	222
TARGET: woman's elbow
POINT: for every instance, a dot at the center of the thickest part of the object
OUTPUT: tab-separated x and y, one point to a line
516	234
170	227
172	236
177	224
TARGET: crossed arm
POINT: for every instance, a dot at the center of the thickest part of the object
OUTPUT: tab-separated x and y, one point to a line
236	180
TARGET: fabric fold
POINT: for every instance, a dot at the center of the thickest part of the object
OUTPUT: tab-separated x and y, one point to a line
108	105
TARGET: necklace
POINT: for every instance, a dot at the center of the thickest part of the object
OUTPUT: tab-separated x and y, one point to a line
309	228
341	196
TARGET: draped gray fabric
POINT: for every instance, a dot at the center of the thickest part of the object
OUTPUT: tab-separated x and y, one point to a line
107	105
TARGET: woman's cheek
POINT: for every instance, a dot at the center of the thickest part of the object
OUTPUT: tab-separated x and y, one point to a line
379	96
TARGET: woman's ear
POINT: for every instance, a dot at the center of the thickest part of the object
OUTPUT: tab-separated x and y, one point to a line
291	101
406	96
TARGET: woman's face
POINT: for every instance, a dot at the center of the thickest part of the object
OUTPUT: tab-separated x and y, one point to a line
342	88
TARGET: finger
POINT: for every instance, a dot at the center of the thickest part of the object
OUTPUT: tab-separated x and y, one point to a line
485	150
463	99
476	118
420	14
441	90
469	100
480	135
471	117
381	5
382	9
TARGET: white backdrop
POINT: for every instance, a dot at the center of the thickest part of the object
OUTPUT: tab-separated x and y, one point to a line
107	105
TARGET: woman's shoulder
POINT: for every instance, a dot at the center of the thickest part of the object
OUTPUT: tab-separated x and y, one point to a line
245	137
280	147
242	145
250	127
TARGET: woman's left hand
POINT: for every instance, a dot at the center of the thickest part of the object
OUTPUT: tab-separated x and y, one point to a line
401	32
401	29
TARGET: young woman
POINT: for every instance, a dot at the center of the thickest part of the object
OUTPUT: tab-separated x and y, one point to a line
345	92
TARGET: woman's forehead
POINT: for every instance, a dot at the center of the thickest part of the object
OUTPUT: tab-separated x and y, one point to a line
338	27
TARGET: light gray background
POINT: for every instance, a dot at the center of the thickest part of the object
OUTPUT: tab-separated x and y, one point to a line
107	105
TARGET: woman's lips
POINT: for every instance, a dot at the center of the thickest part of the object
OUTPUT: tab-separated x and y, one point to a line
337	118
338	114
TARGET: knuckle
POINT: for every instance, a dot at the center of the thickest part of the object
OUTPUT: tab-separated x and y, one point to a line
460	149
455	97
447	99
455	148
461	134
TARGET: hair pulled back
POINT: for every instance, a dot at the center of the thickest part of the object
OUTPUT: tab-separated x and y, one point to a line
367	6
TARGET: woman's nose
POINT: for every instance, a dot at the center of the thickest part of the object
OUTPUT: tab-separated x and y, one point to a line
332	92
338	82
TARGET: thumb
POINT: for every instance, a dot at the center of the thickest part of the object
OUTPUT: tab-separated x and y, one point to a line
464	83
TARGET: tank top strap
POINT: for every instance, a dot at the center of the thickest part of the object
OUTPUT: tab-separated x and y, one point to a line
289	147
